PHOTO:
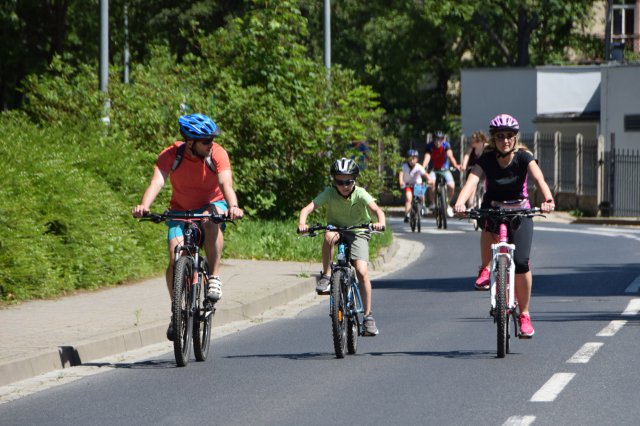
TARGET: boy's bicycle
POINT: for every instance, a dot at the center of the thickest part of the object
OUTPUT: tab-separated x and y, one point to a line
415	215
441	199
502	290
192	312
345	303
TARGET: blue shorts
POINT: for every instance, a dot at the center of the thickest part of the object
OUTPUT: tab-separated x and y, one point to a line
176	227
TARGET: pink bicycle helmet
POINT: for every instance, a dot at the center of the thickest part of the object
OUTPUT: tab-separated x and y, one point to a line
503	122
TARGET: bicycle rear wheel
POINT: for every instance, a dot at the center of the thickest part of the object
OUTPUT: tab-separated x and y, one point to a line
501	307
202	322
353	325
338	313
182	310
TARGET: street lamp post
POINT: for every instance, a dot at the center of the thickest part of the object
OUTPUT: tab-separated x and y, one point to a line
104	57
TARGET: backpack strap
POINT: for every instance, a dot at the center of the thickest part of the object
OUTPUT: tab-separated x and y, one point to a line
180	154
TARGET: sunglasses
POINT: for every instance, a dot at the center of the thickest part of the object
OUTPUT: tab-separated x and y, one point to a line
205	142
503	136
347	182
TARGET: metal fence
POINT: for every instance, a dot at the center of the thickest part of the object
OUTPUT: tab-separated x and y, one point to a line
582	175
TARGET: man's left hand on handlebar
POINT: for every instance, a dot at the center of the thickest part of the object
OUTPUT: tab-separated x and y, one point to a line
234	212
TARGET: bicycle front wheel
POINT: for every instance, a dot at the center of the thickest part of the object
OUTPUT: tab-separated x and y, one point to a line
338	313
202	324
418	215
182	312
413	214
442	196
353	325
501	307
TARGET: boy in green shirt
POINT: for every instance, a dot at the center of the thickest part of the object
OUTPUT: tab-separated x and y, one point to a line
347	205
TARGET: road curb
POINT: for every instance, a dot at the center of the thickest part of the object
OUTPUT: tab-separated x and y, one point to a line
84	352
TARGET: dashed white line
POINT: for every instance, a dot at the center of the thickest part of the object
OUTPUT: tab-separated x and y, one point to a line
519	421
633	307
585	353
550	390
611	329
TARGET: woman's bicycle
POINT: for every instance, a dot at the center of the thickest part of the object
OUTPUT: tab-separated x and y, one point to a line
192	312
345	302
502	282
417	207
441	199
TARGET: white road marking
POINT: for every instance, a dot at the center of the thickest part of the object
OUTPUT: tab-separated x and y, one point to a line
604	232
613	327
585	353
633	307
550	390
634	287
519	421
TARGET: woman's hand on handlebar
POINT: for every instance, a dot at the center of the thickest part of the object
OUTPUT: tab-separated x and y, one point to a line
460	209
302	228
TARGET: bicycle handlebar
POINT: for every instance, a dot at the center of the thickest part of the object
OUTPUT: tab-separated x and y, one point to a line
318	227
161	217
502	212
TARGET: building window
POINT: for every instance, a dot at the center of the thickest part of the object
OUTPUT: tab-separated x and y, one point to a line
623	22
632	123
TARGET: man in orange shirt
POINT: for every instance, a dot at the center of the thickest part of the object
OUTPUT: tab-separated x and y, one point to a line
200	174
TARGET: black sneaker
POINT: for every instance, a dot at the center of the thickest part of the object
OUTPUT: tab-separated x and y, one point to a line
170	332
406	219
369	326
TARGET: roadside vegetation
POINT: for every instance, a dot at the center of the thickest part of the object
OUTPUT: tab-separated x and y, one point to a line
69	181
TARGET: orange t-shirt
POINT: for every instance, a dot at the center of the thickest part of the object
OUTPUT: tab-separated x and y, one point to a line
194	184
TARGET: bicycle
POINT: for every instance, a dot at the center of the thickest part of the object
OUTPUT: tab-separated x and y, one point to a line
192	313
477	201
345	303
441	199
502	282
415	215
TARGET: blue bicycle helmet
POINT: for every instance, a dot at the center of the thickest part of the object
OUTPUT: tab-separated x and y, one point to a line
412	153
440	135
197	126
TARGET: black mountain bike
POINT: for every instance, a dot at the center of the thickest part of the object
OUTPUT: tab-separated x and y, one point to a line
192	312
345	303
415	215
441	199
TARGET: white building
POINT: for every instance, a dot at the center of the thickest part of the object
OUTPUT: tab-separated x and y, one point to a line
590	100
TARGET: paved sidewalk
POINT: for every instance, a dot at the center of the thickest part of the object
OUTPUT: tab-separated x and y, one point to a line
41	336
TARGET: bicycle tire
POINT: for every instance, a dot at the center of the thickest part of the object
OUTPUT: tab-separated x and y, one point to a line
338	313
353	324
202	322
501	307
438	210
414	215
182	310
443	207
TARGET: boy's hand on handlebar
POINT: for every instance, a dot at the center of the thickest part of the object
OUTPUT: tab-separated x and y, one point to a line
377	226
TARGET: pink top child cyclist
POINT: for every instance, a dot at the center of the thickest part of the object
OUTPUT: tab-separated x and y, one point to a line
506	164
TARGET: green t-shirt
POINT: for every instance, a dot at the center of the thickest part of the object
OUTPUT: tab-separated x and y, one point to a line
345	211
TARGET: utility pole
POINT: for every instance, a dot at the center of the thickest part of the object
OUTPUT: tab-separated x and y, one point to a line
607	31
327	36
104	57
126	43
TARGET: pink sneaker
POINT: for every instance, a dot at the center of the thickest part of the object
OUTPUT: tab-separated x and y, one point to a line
526	329
482	282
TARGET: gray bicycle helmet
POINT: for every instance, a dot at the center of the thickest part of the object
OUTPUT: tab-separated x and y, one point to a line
344	166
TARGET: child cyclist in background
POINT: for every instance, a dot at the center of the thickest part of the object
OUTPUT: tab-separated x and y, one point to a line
346	205
410	175
505	164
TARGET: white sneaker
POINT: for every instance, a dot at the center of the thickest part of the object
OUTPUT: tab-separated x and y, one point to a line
214	291
432	206
449	211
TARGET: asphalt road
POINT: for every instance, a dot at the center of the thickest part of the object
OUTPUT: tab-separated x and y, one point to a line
434	361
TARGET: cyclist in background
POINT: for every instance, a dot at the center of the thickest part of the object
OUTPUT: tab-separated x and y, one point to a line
411	174
347	205
436	157
505	165
470	158
196	188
